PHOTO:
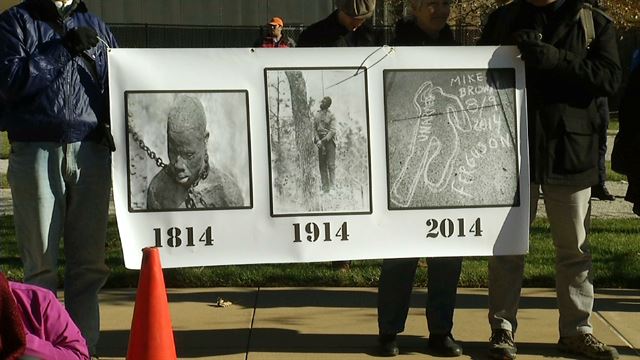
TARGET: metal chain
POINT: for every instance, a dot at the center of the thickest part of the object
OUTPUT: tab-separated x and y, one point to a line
152	155
189	201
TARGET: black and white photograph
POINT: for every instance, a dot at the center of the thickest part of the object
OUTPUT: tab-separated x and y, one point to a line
451	138
318	131
188	150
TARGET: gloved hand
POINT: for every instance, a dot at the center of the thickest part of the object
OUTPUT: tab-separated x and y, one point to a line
536	53
80	39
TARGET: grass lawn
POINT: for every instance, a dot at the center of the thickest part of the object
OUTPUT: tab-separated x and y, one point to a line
4	145
615	246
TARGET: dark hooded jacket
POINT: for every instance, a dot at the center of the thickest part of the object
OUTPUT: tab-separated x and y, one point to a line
328	32
562	117
49	95
627	145
407	33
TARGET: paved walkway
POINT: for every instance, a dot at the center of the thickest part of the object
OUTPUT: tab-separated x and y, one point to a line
340	323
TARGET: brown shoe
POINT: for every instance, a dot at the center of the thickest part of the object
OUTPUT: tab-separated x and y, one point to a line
587	345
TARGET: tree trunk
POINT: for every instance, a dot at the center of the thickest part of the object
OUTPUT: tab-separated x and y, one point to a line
303	130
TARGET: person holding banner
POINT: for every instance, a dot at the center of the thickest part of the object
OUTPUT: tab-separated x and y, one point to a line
427	26
190	180
54	86
566	71
346	27
627	143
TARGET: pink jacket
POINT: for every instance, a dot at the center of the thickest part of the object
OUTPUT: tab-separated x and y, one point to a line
51	334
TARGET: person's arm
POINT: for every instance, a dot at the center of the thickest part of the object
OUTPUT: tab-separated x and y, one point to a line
331	128
598	72
27	67
60	338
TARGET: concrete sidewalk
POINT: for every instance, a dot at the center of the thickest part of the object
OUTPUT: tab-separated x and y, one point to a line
340	323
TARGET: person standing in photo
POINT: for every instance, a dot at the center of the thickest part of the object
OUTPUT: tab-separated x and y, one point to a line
275	38
190	180
324	129
566	71
54	86
427	26
347	26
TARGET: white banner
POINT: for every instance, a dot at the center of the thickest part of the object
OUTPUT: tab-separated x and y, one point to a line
238	156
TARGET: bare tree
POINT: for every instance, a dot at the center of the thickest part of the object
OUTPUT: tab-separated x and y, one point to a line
303	129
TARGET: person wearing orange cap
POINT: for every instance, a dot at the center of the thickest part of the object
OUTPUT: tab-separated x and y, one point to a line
275	38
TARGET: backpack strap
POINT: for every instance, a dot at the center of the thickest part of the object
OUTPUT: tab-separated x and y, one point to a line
586	19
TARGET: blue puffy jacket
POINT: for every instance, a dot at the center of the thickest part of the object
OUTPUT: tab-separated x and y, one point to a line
47	94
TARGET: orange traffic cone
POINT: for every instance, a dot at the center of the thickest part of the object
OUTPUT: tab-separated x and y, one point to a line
151	336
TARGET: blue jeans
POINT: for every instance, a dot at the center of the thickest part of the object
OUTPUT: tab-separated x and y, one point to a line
62	190
396	284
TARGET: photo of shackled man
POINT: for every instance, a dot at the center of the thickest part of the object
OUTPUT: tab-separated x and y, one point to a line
190	180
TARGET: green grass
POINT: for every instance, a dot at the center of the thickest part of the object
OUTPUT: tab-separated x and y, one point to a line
614	243
4	146
4	154
612	175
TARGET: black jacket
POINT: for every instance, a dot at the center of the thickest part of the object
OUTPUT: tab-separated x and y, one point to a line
328	32
627	145
562	117
407	33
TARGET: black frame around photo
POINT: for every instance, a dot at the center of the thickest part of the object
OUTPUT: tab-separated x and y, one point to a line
228	147
451	138
298	186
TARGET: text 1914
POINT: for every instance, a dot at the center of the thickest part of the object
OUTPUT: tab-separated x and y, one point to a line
314	232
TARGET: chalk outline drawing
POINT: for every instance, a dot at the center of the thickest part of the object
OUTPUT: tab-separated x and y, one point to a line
425	102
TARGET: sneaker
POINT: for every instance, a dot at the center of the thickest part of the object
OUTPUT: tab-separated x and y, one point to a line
587	345
601	192
501	345
387	345
444	345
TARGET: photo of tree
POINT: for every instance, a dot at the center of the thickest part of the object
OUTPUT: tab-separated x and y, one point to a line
318	133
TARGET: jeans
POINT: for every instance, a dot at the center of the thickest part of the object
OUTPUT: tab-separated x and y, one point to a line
62	190
396	284
569	210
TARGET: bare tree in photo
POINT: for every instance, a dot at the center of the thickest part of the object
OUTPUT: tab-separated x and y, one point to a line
303	130
299	149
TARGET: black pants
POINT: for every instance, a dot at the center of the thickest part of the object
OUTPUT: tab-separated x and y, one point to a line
396	284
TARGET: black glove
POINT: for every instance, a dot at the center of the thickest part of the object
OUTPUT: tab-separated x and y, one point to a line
80	39
534	52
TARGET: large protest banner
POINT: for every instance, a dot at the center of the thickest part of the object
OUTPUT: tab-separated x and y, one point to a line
237	156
